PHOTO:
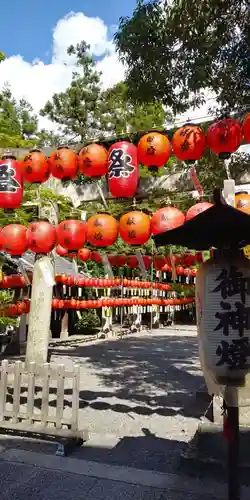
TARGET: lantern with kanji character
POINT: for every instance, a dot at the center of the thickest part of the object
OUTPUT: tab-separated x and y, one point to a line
11	182
246	128
41	237
224	137
102	230
134	228
93	160
222	305
165	219
63	163
189	143
14	239
71	234
242	202
154	149
197	209
36	168
123	169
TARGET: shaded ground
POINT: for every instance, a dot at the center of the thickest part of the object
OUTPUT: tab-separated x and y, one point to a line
137	397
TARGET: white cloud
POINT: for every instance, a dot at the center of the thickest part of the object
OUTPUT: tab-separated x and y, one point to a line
37	81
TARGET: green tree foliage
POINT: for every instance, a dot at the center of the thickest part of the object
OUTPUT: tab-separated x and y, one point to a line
2	56
76	110
85	112
120	115
174	51
27	119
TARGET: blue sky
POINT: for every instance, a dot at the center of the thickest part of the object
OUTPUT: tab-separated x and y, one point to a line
26	26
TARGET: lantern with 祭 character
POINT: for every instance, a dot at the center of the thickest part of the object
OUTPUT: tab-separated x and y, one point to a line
154	149
93	160
134	228
189	143
123	169
63	163
11	182
165	219
224	137
102	230
36	168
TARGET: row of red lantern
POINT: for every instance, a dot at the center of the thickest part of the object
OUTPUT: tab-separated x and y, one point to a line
101	230
18	281
121	162
23	307
116	282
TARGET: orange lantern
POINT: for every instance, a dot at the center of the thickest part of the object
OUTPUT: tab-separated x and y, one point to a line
93	160
246	128
36	167
102	230
242	202
134	228
189	143
63	163
165	219
154	149
197	209
224	137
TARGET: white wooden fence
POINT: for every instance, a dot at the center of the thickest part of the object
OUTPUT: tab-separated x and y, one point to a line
22	411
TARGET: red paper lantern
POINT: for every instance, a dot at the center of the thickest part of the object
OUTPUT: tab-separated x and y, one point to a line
246	128
154	149
121	260
14	239
102	230
197	209
159	262
96	257
224	137
134	228
123	169
189	143
71	234
61	251
1	239
113	259
165	219
84	254
147	261
41	237
36	168
93	160
63	163
132	262
11	182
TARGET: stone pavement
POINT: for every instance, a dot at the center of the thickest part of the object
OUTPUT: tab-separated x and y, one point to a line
27	475
137	399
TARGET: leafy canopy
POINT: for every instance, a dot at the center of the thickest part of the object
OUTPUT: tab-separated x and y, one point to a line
175	51
85	111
